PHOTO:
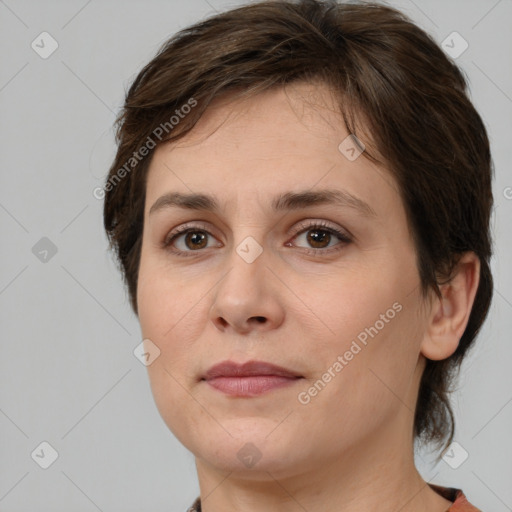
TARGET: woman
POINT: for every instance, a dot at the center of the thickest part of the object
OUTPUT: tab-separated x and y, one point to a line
300	207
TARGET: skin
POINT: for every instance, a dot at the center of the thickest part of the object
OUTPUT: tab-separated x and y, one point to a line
352	443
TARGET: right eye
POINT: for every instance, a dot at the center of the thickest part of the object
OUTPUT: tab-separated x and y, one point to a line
188	239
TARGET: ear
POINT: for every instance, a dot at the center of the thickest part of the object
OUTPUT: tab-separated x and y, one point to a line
450	315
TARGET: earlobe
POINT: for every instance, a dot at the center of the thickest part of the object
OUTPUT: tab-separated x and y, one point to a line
449	316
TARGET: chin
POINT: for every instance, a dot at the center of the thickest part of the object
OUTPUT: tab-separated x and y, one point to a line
237	461
251	453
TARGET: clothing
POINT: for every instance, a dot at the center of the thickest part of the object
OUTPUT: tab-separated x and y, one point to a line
460	503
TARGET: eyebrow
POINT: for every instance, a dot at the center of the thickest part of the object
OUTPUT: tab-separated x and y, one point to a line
283	202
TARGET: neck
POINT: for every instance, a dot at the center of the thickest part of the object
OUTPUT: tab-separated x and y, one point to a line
377	474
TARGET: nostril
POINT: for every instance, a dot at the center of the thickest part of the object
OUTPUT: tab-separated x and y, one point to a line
260	319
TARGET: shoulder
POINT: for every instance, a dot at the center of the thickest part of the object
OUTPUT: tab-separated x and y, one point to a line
196	506
460	502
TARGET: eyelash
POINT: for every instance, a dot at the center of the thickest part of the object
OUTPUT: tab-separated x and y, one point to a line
303	227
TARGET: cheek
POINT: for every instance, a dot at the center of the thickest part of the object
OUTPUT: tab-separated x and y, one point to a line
376	329
166	301
166	315
354	307
373	378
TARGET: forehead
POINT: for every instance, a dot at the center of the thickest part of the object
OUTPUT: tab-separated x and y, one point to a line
281	140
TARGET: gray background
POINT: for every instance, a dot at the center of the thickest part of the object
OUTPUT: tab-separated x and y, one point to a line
68	373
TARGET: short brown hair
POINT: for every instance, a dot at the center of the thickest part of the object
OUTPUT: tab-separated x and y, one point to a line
390	77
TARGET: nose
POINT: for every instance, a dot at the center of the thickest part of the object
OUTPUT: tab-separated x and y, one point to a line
248	297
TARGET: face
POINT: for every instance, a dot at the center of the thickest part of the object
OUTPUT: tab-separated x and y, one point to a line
306	262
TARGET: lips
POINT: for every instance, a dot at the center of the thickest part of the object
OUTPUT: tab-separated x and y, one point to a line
248	369
250	379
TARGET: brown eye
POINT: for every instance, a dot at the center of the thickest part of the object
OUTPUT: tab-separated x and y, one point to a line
189	239
321	238
195	240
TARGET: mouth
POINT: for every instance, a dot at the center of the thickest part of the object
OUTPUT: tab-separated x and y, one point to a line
252	378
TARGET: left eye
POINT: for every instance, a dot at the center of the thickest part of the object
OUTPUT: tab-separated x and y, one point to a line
320	237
